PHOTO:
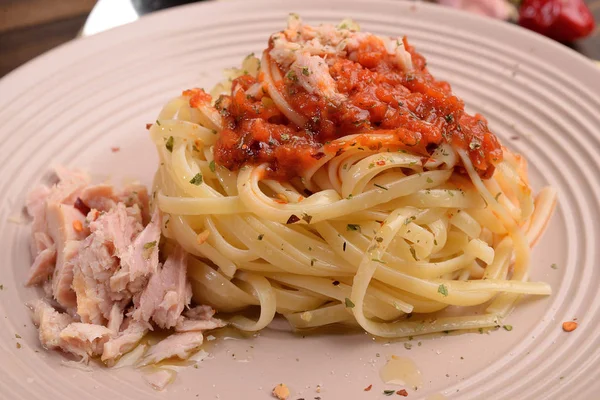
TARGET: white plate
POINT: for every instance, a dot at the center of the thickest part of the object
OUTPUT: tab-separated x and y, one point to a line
73	104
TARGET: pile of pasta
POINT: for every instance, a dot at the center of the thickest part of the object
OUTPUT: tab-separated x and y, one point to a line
381	239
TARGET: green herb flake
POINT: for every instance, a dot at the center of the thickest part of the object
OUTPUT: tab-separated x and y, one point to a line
196	180
158	122
381	187
149	245
508	327
307	218
344	247
169	144
389	392
429	180
443	290
413	253
292	76
449	118
313	261
353	227
407	345
554	266
305	71
481	331
497	196
261	236
348	303
409	220
212	166
17	336
349	196
285	137
378	260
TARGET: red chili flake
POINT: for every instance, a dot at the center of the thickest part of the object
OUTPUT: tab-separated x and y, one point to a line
402	392
148	126
198	97
380	162
115	149
81	206
368	388
318	156
292	219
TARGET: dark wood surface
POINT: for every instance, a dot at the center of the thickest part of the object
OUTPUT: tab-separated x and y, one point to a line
29	28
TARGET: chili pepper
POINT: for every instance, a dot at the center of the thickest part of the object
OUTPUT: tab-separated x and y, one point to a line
562	20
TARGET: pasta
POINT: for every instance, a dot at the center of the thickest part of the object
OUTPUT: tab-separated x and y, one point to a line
366	228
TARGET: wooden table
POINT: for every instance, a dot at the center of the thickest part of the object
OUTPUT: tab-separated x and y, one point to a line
29	28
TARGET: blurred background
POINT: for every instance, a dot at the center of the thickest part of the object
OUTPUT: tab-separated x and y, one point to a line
29	28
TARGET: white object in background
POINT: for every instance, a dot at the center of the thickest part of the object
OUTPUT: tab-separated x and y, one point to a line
108	14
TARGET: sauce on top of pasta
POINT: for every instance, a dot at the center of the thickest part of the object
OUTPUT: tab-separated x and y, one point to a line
332	82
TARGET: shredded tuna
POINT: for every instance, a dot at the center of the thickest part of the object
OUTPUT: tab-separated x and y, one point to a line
84	340
59	225
124	341
199	318
36	207
313	74
139	260
103	271
93	267
101	197
200	312
42	267
343	40
115	319
167	293
179	345
50	323
189	325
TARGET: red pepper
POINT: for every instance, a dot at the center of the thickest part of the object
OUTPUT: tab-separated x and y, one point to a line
562	20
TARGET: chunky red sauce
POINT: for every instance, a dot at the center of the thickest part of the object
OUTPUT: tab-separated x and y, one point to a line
416	109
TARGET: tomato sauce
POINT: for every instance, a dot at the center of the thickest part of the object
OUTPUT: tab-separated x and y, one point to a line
414	110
